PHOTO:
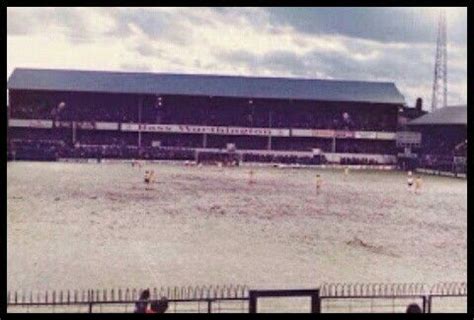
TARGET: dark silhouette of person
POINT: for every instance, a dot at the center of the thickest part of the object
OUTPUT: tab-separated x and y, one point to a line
414	308
142	303
159	306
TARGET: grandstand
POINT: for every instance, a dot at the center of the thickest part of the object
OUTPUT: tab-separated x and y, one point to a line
66	113
444	139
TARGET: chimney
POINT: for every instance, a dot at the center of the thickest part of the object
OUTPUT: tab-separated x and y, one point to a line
419	104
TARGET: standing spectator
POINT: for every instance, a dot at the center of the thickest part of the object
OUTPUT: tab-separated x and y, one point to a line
142	303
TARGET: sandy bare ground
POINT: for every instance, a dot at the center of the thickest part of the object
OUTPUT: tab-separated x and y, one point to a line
74	226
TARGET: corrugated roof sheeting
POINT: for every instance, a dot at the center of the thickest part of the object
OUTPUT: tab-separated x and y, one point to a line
207	85
450	115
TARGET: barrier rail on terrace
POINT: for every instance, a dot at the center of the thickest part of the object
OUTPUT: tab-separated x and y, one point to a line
329	298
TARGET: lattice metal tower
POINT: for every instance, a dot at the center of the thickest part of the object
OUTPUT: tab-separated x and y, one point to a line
440	82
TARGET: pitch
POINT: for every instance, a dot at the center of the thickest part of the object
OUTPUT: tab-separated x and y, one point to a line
74	226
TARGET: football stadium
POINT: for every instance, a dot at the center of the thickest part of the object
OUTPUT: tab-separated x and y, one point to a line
161	116
208	188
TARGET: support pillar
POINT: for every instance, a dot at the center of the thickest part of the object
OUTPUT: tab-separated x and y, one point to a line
140	104
269	145
74	129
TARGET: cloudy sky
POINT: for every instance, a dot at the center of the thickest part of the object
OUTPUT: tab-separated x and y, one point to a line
376	44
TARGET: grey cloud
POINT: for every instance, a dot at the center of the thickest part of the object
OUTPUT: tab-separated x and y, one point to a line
283	60
16	23
380	24
254	16
408	67
157	25
238	56
197	63
27	21
136	67
278	61
148	50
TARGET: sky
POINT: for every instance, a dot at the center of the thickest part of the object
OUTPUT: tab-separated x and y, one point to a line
374	44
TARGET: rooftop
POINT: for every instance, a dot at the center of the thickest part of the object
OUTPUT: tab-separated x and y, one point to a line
450	115
207	85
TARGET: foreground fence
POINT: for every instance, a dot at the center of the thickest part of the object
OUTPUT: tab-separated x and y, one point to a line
394	298
329	298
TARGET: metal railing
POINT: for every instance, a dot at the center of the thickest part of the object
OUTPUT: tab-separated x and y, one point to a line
393	297
227	298
330	297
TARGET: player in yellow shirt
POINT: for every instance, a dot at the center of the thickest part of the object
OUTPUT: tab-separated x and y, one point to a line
318	183
418	183
149	176
251	176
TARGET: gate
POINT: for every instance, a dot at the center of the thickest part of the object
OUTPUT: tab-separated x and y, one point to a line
312	294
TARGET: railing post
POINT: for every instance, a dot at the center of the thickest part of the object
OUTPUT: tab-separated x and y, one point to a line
90	307
252	302
428	310
209	306
316	303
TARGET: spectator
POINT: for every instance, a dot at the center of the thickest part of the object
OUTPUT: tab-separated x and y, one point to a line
414	308
159	306
142	303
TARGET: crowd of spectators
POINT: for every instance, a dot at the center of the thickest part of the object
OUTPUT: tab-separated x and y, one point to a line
38	150
205	111
336	119
460	150
109	145
198	111
226	158
443	163
284	159
452	160
444	150
52	150
302	144
442	141
131	152
358	161
240	142
366	146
